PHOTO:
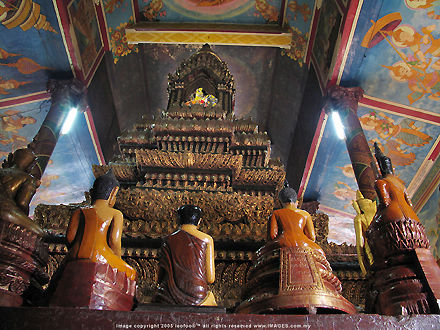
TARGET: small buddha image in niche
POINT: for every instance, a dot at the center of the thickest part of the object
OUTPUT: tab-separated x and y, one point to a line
199	97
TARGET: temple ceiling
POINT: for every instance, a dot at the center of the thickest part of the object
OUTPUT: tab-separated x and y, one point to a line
272	48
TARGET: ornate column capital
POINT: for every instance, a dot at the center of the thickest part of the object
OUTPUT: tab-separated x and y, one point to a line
343	98
70	90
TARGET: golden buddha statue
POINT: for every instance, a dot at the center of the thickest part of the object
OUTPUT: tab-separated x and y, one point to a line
291	273
94	235
17	187
187	263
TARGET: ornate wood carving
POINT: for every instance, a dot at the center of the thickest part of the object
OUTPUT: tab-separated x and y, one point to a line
23	258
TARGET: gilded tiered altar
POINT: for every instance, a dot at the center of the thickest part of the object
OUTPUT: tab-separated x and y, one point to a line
197	152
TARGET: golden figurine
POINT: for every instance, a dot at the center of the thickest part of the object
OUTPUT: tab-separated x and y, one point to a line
365	209
17	187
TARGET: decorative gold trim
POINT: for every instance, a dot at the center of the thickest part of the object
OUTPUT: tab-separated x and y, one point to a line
189	160
227	37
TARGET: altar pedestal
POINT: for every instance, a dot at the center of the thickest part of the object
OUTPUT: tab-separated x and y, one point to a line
94	286
75	318
23	257
292	280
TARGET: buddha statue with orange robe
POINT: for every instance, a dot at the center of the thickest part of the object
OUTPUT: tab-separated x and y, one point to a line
291	273
186	266
404	277
94	235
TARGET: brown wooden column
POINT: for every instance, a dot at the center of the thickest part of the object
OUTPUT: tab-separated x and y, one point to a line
345	101
66	94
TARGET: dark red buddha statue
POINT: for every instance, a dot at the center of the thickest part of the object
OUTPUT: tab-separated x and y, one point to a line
404	277
187	263
95	276
291	273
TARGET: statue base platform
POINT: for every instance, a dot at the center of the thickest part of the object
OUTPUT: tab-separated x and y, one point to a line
407	284
304	284
95	286
180	308
23	259
75	318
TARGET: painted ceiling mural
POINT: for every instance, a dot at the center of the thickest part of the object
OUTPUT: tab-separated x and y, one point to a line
296	14
31	47
119	14
399	41
19	124
228	11
86	34
393	53
32	50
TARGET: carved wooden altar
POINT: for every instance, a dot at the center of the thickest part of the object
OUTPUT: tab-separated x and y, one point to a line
201	155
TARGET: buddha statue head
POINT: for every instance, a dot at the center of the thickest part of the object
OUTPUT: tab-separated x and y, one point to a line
287	195
105	187
189	215
23	159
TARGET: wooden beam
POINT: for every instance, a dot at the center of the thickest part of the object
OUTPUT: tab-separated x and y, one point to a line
261	35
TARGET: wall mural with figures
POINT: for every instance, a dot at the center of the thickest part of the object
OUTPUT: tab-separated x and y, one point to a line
399	42
19	124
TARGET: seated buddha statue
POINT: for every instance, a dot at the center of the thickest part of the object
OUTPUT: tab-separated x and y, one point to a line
95	276
404	277
17	187
186	265
291	273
